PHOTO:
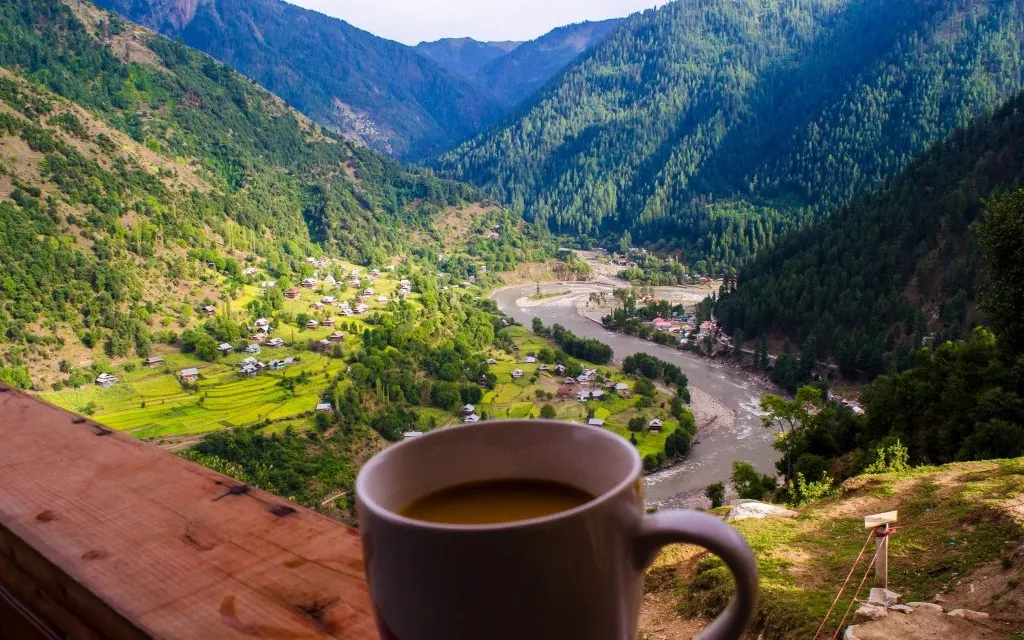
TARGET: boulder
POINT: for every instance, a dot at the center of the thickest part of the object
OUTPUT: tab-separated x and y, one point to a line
967	614
883	597
851	633
871	612
742	510
925	605
902	608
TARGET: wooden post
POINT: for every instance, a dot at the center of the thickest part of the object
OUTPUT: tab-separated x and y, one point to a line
882	556
880	523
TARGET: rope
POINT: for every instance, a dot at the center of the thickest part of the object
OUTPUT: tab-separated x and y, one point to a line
845	582
835	636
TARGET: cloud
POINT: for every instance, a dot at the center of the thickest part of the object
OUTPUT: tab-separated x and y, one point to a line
412	21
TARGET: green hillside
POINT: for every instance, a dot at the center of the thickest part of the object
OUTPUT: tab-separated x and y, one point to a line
375	90
140	178
713	128
893	268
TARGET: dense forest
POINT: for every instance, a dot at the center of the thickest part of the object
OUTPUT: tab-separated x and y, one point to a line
711	129
959	400
372	89
123	167
894	268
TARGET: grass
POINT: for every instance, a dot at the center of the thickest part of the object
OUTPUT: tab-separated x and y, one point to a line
951	519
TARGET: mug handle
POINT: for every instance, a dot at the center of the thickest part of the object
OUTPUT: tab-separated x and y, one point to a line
679	526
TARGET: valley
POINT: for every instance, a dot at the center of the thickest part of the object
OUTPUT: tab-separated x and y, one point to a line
275	245
723	396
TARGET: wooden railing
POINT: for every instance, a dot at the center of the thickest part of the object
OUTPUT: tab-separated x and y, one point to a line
103	536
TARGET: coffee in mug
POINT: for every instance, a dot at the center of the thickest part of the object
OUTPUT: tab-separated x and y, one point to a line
493	501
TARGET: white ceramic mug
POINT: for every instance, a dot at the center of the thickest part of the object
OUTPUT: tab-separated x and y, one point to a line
574	575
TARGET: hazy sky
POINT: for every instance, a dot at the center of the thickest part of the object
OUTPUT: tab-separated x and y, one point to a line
412	21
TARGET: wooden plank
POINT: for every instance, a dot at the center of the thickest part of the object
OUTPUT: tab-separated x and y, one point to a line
105	536
878	519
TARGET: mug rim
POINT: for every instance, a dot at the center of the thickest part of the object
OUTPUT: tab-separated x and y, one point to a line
367	502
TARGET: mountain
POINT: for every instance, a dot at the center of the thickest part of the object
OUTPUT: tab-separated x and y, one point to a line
713	128
872	281
464	56
374	90
516	76
138	177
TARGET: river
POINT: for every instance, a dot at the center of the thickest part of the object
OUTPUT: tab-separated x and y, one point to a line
743	438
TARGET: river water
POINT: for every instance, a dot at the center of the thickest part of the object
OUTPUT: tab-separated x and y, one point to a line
711	458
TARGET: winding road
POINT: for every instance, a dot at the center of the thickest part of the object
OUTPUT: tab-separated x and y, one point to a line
738	436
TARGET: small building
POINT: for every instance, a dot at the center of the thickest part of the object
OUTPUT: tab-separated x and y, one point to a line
317	306
565	391
224	347
336	337
329	322
152	361
542	367
253	348
559	369
409	435
569	381
209	310
328	300
375	273
312	324
189	375
269	284
324	407
530	360
517	373
275	342
329	280
405	284
382	299
309	283
622	389
654	426
491	361
361	308
468	409
471	418
261	323
368	291
292	293
248	370
323	345
595	422
249	271
106	380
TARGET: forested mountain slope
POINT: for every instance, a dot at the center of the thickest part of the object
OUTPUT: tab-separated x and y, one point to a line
375	90
715	127
464	56
129	164
883	273
517	75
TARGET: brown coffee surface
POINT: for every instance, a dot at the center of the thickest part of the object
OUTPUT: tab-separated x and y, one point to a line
496	501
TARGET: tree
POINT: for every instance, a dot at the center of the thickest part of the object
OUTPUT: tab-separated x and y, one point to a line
548	412
716	494
1000	233
748	483
637	424
445	394
787	417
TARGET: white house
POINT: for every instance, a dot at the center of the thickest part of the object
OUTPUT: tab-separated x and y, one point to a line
530	360
595	422
471	418
253	348
517	373
654	426
189	375
468	409
275	342
409	435
324	407
224	347
106	380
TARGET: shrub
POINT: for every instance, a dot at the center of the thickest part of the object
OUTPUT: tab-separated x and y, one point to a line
716	494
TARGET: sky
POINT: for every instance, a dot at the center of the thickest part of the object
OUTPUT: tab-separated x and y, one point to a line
413	21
